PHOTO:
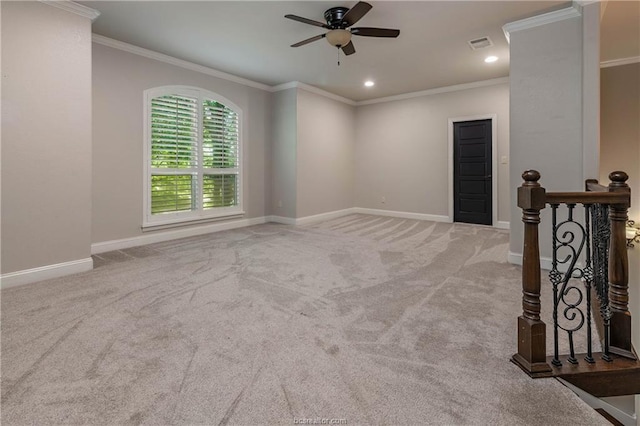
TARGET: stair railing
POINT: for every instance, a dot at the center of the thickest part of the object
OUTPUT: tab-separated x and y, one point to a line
593	252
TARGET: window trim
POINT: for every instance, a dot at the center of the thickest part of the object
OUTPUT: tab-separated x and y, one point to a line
180	218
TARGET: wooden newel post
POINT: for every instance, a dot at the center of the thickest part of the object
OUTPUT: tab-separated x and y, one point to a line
620	340
532	354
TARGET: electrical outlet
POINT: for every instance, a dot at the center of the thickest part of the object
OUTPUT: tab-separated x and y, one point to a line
383	200
503	159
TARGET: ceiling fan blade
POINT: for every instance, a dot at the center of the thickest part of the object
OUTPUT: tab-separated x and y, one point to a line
356	13
306	21
349	49
375	32
309	40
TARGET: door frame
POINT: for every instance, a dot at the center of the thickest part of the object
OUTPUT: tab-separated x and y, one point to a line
494	162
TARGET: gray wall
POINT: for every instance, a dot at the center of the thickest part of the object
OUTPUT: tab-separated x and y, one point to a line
546	105
119	81
620	150
283	153
312	154
46	136
301	149
326	134
402	149
620	128
319	147
590	90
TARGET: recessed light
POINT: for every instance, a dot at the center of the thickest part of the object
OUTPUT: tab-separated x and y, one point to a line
369	83
490	59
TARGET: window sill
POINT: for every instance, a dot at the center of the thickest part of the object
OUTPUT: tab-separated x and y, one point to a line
177	223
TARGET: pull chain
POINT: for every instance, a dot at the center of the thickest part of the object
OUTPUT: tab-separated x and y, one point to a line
338	55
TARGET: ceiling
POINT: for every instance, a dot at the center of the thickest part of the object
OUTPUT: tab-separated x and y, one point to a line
251	39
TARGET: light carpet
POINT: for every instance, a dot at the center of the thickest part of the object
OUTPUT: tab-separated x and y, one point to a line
373	320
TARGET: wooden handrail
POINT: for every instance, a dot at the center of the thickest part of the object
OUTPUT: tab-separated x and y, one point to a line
587	198
532	198
592	185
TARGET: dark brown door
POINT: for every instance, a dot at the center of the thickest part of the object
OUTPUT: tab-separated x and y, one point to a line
472	198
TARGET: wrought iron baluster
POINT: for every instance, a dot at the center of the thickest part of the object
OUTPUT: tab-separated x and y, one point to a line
601	236
569	236
572	353
587	277
555	278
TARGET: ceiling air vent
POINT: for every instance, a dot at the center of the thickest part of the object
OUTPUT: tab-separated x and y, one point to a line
480	43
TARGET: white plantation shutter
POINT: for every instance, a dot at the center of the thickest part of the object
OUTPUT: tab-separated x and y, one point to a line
219	191
220	143
174	147
220	135
192	156
174	132
172	193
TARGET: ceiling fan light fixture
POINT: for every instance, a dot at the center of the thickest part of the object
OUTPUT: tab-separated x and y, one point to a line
339	22
339	37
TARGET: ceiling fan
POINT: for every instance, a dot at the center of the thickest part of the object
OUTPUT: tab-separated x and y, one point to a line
339	19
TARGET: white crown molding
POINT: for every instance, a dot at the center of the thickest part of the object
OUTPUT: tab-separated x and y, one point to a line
106	41
164	235
446	89
583	3
130	48
285	86
73	7
28	276
313	89
621	61
544	19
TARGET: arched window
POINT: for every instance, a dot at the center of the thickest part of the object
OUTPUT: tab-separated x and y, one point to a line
192	156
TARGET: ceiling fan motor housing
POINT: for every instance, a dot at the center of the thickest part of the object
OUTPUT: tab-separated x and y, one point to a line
334	17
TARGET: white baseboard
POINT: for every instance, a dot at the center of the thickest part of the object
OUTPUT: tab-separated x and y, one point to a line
362	210
28	276
160	236
516	259
403	215
306	220
324	216
61	269
627	419
281	219
546	263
